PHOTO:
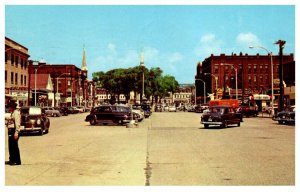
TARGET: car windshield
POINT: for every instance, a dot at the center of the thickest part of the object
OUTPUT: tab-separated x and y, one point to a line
35	111
217	110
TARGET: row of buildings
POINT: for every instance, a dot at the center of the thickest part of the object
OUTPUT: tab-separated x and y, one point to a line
247	77
40	84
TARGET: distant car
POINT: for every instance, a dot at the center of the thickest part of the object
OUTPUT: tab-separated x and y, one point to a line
107	114
50	111
80	109
220	115
64	111
140	114
248	111
286	116
172	108
73	110
158	108
34	119
204	107
147	110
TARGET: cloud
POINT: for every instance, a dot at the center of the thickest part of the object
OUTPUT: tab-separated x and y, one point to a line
112	57
207	45
247	39
175	58
111	48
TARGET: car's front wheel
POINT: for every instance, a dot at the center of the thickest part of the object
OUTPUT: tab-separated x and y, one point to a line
93	121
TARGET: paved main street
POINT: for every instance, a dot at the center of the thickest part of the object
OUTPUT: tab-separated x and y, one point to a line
166	149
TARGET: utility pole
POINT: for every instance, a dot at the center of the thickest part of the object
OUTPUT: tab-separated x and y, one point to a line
281	44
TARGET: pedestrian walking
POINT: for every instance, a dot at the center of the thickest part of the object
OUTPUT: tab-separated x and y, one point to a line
13	124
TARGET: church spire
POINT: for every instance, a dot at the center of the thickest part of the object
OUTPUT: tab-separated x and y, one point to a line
83	66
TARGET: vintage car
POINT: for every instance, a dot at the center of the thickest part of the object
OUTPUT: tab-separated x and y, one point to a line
248	111
220	115
34	119
172	108
146	108
50	111
286	116
139	113
158	108
107	114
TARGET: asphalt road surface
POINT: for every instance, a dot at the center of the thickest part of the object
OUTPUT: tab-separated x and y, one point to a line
168	149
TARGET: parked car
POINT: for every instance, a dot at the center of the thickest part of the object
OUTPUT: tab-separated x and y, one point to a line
106	114
158	108
248	111
80	109
73	110
139	112
147	110
220	115
34	119
50	111
172	108
286	116
64	111
203	107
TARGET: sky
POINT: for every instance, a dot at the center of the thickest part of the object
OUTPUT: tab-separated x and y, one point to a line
172	37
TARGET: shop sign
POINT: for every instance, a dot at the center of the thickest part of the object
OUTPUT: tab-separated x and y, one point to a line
261	97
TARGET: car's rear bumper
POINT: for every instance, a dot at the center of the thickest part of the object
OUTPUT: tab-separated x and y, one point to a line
211	123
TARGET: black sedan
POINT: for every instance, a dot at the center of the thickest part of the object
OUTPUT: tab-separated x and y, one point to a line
220	115
286	116
34	119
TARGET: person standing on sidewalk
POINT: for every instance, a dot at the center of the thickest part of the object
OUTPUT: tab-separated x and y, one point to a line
14	126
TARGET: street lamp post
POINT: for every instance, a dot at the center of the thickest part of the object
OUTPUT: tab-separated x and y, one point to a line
236	85
72	92
216	80
272	75
35	72
204	91
56	94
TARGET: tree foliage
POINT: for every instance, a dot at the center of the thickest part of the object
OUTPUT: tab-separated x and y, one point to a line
123	81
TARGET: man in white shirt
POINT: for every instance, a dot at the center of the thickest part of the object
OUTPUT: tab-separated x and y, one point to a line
14	126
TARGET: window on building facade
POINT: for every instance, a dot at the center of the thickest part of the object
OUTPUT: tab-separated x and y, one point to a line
25	83
249	79
254	78
261	79
266	68
216	69
249	68
17	61
5	76
16	78
12	77
12	59
25	64
69	82
6	55
226	69
21	79
266	79
255	68
261	68
22	63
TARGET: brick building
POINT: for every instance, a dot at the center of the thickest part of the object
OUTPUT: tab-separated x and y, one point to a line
253	75
70	84
16	72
